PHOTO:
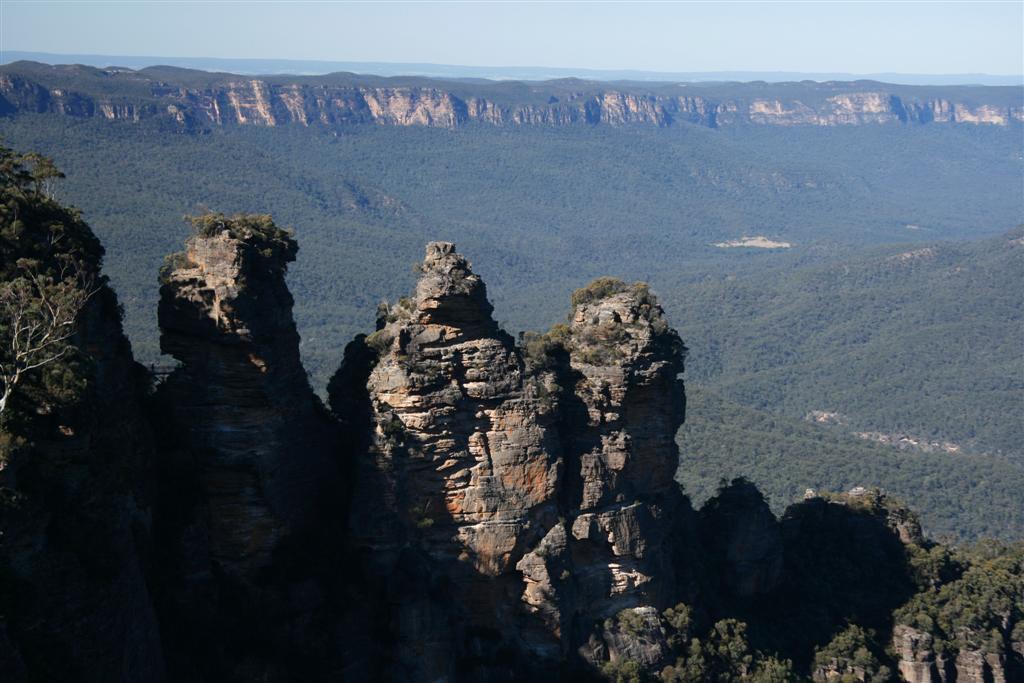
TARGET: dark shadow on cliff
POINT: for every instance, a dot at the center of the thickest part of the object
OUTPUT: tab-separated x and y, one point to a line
440	608
288	622
76	456
799	581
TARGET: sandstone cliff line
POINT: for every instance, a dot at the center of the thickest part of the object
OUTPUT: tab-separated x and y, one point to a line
333	101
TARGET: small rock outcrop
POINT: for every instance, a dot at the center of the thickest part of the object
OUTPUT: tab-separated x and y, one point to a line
967	624
916	657
745	540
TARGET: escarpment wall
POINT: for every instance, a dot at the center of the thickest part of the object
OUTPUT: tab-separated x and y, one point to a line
213	100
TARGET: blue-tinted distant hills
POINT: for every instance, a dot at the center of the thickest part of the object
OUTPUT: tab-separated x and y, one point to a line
529	73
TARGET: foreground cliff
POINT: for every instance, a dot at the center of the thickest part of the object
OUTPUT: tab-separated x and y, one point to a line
77	457
196	100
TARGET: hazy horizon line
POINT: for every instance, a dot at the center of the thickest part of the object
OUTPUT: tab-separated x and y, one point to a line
495	72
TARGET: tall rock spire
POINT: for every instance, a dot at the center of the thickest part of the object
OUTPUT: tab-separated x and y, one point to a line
241	395
538	491
462	471
622	405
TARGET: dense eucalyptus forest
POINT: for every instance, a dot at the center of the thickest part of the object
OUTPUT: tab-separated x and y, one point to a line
871	313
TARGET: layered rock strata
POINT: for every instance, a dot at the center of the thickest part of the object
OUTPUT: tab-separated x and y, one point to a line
331	101
917	660
621	404
463	466
542	490
992	657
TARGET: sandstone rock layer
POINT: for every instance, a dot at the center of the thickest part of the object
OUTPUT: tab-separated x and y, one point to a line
543	489
241	396
332	101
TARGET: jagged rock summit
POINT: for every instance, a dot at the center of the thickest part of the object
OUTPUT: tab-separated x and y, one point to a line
541	487
456	432
462	468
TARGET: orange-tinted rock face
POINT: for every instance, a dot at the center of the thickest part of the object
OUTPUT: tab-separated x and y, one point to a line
462	468
544	493
465	444
274	102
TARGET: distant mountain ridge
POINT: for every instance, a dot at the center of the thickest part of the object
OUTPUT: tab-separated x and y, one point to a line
251	67
197	100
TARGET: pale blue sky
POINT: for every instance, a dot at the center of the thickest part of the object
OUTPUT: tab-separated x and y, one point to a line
866	37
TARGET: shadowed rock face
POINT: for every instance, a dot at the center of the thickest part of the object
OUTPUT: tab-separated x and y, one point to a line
241	397
77	473
74	550
252	502
462	469
744	540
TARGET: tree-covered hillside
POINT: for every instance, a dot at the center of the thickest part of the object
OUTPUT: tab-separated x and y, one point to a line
958	497
836	322
918	340
538	210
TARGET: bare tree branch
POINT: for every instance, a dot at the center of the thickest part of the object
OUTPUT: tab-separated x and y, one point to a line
38	317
